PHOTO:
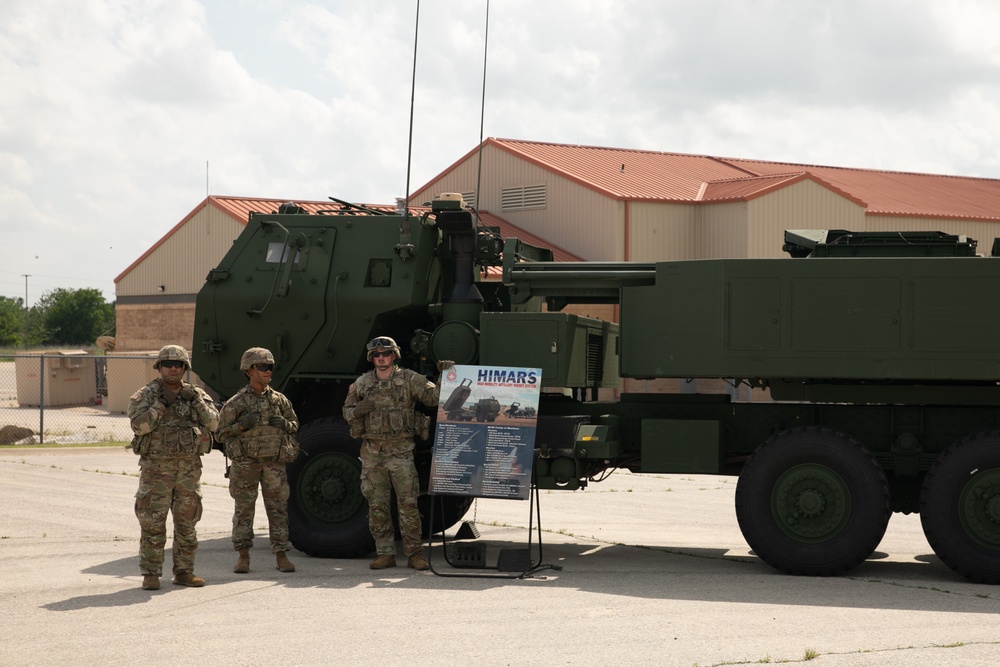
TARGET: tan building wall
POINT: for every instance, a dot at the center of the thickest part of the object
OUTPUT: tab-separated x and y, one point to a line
155	299
755	228
181	262
576	218
461	179
803	205
150	326
722	231
662	232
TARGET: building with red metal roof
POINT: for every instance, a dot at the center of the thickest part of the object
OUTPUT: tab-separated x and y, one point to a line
591	203
622	204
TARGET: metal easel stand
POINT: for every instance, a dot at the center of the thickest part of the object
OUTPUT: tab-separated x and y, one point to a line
513	563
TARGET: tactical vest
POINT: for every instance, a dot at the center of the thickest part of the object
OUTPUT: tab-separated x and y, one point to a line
392	418
176	435
260	442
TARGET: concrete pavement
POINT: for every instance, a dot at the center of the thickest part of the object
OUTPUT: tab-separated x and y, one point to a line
655	572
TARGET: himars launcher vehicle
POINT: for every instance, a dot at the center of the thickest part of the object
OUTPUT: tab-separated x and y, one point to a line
880	353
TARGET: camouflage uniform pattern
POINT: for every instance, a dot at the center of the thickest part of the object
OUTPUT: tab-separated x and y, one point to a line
254	455
170	446
387	451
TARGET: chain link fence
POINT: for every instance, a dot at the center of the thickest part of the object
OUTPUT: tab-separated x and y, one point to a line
70	396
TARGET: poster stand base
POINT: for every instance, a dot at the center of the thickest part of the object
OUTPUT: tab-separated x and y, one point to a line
511	563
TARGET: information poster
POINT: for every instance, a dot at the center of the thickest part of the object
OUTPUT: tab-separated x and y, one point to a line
484	444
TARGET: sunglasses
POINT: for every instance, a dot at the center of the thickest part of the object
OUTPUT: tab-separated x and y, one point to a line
383	353
264	368
172	364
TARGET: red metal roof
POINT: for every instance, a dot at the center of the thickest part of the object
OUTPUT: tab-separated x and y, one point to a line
241	207
751	187
656	176
622	173
905	193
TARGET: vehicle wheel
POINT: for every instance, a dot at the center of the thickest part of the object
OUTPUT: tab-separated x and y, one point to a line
327	515
812	501
960	507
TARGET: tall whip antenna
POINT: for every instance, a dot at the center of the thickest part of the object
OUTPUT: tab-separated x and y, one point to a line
482	108
413	88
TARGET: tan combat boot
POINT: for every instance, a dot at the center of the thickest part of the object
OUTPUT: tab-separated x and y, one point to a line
418	562
188	579
382	562
284	564
243	562
150	582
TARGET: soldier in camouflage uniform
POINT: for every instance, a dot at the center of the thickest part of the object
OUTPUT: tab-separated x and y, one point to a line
258	427
379	409
172	421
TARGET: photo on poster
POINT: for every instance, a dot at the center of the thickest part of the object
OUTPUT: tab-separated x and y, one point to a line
484	443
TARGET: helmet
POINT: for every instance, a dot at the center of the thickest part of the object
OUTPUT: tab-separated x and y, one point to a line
255	355
173	353
382	343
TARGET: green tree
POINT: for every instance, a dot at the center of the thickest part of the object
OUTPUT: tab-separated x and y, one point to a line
73	317
11	322
36	328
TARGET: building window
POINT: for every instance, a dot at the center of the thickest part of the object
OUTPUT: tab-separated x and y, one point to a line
527	196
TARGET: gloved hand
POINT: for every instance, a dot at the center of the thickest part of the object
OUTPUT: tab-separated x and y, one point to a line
160	406
246	421
363	408
188	393
278	422
444	364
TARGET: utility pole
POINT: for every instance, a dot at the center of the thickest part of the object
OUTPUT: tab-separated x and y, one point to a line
26	276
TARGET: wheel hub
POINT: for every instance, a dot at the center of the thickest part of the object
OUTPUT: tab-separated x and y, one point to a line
811	503
329	490
979	503
332	489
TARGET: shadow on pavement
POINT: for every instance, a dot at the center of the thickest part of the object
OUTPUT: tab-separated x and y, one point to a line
643	572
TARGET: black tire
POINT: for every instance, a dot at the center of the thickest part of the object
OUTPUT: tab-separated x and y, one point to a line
327	514
960	507
812	501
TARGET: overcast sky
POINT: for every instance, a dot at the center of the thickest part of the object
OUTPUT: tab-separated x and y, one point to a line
111	109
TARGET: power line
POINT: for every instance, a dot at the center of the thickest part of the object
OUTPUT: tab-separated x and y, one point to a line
76	278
